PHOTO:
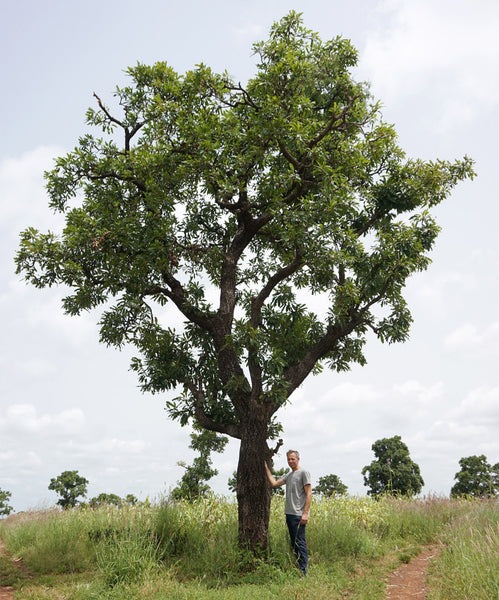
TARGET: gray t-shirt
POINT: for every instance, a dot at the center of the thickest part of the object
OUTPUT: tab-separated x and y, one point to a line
295	494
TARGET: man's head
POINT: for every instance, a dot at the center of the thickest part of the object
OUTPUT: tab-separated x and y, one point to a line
293	457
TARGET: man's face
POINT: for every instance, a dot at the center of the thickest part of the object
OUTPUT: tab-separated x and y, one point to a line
293	461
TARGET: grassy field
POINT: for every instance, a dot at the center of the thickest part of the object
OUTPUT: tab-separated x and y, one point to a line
189	551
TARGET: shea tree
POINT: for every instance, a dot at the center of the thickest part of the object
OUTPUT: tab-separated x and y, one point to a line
206	214
70	485
393	471
477	477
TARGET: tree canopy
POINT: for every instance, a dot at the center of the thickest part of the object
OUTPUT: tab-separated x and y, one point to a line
5	508
393	471
330	485
241	237
70	486
477	477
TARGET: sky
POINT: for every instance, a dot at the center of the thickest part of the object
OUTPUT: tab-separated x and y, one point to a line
70	403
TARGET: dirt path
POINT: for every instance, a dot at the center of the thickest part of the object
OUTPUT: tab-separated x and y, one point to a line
6	592
408	582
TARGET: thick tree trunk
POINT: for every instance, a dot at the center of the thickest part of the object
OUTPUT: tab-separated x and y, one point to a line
253	490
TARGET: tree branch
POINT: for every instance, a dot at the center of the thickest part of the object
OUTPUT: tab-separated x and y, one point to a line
206	421
274	451
297	373
176	294
330	126
128	134
283	273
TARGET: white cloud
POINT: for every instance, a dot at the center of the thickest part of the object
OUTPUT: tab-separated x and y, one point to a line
23	200
480	408
434	290
419	392
448	47
349	394
249	33
6	457
24	419
468	336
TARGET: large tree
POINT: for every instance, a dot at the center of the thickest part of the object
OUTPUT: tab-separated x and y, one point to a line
477	477
70	485
393	471
274	218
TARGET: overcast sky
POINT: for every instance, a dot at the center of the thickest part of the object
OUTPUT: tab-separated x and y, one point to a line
67	402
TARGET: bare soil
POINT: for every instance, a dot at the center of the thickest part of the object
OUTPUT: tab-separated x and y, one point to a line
408	582
6	592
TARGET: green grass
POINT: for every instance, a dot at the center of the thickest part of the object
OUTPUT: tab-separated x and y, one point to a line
469	565
189	551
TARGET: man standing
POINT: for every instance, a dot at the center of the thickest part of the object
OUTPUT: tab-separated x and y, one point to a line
298	499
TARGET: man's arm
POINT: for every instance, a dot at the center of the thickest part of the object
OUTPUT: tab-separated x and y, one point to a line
308	502
273	482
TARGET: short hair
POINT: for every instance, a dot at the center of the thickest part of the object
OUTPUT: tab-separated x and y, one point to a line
293	452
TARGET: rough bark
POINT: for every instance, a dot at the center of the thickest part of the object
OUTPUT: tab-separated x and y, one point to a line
253	490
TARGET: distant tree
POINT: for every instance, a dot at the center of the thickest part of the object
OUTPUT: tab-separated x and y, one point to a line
330	485
5	509
495	476
228	205
278	491
193	483
393	471
131	500
70	486
104	498
476	478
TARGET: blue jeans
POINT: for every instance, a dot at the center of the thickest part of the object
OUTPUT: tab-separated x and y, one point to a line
298	541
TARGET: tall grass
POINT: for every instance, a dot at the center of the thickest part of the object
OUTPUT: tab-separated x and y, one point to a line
469	565
187	550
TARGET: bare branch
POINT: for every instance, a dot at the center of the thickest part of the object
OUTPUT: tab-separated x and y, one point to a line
107	113
274	451
128	133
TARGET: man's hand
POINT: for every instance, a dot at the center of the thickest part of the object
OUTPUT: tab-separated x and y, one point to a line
304	518
273	482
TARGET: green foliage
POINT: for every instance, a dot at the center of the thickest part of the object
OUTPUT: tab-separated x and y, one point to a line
112	499
5	496
293	182
192	484
330	485
70	486
393	471
476	477
231	206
